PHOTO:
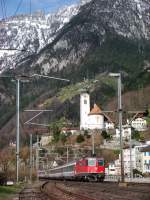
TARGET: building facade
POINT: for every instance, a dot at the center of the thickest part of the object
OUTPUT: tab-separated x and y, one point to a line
126	132
136	158
139	124
94	118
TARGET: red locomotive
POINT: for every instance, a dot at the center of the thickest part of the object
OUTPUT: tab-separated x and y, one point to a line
90	169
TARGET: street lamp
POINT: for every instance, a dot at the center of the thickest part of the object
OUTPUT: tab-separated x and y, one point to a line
118	76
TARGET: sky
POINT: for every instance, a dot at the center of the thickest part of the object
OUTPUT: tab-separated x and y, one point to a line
13	7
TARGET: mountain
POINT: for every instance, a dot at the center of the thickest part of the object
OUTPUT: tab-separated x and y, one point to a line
31	33
104	36
97	21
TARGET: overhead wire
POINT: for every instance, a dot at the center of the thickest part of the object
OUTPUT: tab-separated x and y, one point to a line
18	7
2	8
30	7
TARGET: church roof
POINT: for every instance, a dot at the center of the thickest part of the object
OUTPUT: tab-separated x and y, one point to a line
96	110
145	149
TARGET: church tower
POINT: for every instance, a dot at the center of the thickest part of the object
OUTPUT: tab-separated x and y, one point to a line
84	109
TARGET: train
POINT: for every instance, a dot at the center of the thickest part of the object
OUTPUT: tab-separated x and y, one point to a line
85	169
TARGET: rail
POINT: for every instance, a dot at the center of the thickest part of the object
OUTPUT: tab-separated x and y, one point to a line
32	194
58	192
72	194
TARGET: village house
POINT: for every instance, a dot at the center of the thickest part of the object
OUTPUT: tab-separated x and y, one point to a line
139	124
140	160
126	132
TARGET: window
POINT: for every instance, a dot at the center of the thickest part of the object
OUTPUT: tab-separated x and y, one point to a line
69	168
97	119
92	162
100	163
147	162
85	101
83	163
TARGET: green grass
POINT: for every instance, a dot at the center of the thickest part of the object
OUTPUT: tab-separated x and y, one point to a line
68	92
6	192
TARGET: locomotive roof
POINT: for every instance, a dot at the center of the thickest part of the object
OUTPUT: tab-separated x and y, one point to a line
65	165
90	158
74	162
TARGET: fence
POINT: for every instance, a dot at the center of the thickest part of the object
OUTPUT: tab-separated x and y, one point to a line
127	179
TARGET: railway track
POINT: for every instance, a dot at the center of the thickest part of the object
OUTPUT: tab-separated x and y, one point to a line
32	193
99	191
56	192
106	187
60	190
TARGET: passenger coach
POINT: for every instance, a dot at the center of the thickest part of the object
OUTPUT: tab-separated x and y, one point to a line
90	169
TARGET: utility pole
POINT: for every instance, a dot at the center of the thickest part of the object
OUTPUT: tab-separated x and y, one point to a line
93	144
67	154
118	76
31	157
17	79
131	166
37	155
120	126
18	129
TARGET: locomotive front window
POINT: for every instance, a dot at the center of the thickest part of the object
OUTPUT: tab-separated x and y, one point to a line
100	163
83	163
91	162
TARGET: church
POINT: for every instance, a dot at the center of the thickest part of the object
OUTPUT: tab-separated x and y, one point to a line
92	118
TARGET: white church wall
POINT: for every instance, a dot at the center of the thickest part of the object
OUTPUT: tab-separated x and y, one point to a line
95	122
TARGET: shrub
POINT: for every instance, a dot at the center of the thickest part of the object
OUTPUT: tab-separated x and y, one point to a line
63	138
136	172
3	178
117	152
80	138
86	134
135	135
106	136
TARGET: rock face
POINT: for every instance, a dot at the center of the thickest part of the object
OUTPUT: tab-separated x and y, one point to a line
31	33
94	23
